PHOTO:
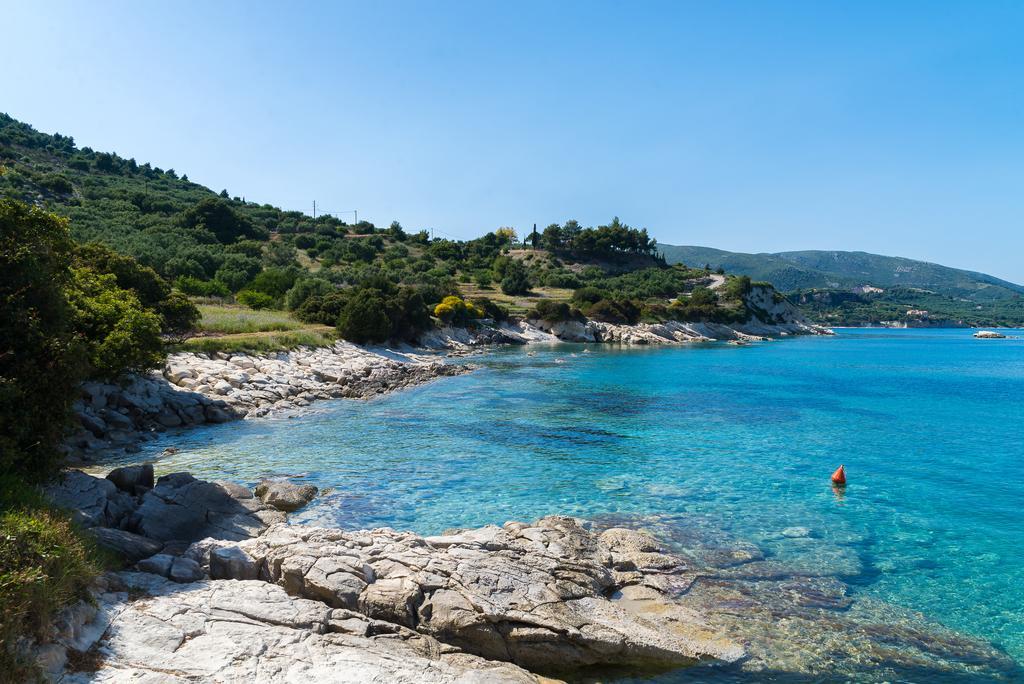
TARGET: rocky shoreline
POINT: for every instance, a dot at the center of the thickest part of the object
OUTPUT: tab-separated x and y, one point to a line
218	586
194	389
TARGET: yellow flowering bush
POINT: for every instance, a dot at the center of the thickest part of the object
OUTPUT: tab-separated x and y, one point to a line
454	309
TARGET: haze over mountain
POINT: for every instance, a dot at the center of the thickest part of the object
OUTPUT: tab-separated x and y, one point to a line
841	270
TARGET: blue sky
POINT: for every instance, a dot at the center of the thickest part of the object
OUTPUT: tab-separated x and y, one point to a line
895	128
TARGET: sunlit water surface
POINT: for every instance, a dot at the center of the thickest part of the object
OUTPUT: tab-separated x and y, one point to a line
930	425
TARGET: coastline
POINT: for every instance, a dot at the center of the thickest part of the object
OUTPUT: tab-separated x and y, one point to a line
729	590
217	585
197	388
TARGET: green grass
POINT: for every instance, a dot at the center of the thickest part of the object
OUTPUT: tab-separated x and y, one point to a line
516	304
230	320
263	342
46	563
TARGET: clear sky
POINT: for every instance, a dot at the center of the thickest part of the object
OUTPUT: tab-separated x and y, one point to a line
890	127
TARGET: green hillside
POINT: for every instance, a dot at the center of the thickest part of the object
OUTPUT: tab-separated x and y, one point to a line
840	287
373	283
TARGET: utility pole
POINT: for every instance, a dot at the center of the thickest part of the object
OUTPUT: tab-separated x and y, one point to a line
314	210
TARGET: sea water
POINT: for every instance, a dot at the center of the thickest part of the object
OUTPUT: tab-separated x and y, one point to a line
929	423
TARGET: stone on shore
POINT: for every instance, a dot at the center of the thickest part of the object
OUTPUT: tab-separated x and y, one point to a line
284	495
251	631
127	545
92	501
536	595
216	388
132	478
231	562
181	507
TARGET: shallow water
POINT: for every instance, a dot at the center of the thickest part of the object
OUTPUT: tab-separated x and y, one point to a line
930	425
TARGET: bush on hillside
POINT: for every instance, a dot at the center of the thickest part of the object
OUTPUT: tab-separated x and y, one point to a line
491	309
736	287
554	312
516	280
254	300
455	311
40	359
303	289
364	318
379	310
323	309
202	288
621	311
119	333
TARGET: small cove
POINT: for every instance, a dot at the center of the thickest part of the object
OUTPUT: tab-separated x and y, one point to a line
928	422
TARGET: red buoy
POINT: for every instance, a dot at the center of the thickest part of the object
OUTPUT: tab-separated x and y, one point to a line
839	477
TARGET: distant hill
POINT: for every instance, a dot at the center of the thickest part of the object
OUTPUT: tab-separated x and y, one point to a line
840	286
790	271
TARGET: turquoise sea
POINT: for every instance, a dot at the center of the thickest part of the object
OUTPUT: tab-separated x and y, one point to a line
929	423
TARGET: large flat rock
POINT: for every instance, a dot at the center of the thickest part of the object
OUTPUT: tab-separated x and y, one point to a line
536	595
252	631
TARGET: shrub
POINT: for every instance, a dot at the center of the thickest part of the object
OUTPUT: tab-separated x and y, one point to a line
118	332
178	316
587	295
736	287
322	309
216	216
57	183
491	309
622	312
273	281
702	296
516	280
40	361
553	312
254	299
303	289
364	319
237	270
202	288
562	279
378	310
456	311
45	565
483	279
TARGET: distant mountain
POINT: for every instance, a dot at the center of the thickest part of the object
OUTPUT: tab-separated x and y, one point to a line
816	269
859	288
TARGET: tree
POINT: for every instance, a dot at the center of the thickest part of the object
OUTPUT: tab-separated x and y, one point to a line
118	332
216	216
396	232
40	361
507	234
702	296
516	280
237	270
364	318
552	239
303	289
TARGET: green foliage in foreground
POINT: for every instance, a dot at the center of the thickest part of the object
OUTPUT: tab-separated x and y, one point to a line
41	360
46	563
68	313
